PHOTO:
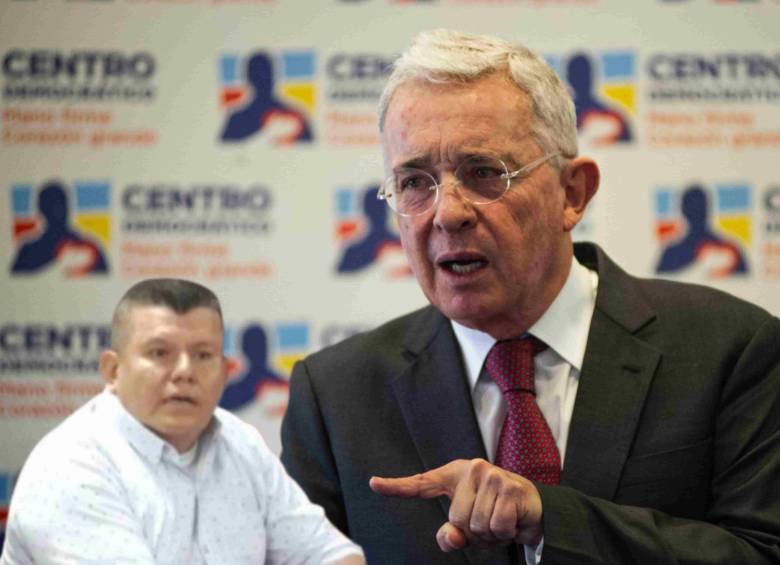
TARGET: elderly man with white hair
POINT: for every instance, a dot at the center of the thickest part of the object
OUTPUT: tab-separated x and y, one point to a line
546	406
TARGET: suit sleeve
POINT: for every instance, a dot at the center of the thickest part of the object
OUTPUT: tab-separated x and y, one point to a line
742	522
306	449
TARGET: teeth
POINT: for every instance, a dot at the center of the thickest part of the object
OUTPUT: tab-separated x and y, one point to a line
462	268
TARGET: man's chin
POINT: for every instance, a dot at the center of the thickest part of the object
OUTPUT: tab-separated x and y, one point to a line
470	314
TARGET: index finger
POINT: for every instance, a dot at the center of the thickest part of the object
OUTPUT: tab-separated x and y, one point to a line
433	483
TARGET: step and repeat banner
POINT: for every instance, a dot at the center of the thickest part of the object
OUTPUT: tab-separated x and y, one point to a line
235	142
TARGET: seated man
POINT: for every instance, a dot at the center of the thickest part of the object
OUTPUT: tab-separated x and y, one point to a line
151	471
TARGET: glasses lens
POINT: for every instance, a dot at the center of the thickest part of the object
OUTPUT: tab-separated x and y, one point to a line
410	191
484	179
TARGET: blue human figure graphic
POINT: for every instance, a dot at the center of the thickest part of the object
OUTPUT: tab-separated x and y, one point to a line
244	390
264	106
699	238
579	74
364	252
57	237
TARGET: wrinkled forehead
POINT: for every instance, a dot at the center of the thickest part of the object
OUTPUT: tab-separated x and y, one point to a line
441	121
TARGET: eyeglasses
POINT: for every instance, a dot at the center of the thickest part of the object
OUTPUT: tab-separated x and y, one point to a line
482	180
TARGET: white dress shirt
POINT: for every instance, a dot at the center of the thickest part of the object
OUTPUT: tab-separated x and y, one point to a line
564	328
102	488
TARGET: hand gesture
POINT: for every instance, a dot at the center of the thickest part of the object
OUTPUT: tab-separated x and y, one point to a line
490	506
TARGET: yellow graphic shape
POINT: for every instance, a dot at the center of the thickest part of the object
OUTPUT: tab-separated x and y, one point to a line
738	226
287	361
98	225
300	92
623	94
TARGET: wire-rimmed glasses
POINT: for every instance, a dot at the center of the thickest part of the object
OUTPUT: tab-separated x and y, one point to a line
482	180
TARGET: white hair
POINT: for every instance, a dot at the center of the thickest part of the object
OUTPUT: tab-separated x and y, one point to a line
443	56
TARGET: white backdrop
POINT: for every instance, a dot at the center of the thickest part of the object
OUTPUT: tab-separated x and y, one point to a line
120	109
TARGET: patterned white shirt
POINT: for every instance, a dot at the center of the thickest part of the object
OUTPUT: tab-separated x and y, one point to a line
102	488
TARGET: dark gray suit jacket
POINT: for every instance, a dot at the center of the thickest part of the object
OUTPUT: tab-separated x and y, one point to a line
673	453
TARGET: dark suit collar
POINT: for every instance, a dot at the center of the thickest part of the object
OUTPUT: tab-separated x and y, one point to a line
616	375
433	396
618	296
433	393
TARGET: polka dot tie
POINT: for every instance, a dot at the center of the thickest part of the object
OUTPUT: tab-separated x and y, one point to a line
526	445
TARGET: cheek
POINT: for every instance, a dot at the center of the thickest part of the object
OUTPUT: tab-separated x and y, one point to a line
413	239
541	211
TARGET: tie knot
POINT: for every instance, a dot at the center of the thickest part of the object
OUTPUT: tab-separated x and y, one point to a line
511	363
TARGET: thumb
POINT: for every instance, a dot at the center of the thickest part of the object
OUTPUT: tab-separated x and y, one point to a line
450	538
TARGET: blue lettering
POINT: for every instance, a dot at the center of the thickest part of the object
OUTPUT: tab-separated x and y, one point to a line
38	338
772	199
92	65
732	66
137	198
345	67
12	64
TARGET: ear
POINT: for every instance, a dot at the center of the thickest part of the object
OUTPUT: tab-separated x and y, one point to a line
109	368
580	180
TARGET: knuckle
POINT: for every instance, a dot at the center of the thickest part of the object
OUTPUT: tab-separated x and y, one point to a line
513	489
503	529
479	528
459	519
477	467
494	478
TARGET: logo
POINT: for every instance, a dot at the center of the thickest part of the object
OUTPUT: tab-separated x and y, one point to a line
355	78
604	93
772	210
770	247
713	99
270	96
201	230
47	233
693	236
30	348
355	82
94	76
198	208
6	487
48	370
259	372
364	234
262	357
724	77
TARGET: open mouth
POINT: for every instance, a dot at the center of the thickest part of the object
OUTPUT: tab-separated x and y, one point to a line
462	265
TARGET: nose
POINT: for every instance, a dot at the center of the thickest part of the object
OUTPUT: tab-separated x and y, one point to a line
183	370
453	211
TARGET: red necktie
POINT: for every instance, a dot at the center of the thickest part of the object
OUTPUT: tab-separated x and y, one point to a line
526	445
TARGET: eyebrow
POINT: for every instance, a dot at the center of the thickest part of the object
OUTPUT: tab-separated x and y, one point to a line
424	162
421	162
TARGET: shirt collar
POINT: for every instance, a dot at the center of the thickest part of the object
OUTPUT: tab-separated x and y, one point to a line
142	439
145	441
563	326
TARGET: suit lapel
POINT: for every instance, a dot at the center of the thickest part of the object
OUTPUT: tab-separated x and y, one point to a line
616	375
435	401
434	398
